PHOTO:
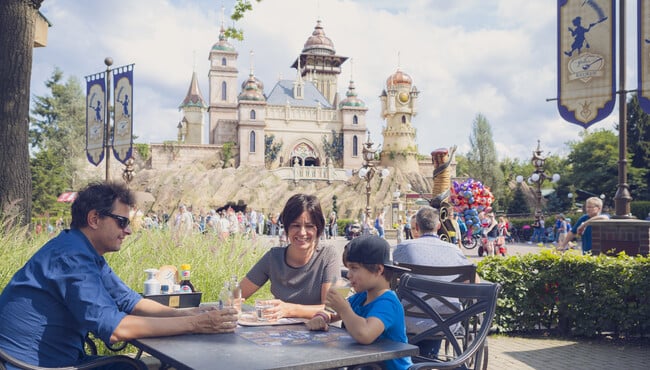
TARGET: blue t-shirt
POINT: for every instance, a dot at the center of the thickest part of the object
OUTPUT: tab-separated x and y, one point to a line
586	235
64	291
389	310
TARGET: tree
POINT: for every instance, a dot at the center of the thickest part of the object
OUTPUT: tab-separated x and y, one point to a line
57	135
595	164
638	137
482	162
241	7
17	20
271	150
334	148
519	204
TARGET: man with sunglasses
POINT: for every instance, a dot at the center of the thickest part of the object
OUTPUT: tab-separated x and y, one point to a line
67	289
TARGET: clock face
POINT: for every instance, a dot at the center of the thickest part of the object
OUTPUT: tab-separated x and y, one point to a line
403	97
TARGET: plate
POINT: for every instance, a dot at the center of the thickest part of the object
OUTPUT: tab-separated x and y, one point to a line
251	320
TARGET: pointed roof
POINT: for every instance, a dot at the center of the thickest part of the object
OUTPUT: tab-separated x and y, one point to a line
193	97
352	100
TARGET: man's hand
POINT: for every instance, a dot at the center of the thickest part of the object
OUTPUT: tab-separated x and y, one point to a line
216	321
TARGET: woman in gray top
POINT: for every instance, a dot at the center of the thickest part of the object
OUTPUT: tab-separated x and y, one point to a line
302	272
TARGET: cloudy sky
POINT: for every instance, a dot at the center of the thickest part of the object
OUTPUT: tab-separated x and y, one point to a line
494	57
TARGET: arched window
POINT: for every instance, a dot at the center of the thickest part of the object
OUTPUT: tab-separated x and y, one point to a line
252	114
403	119
355	120
355	146
223	61
251	143
224	89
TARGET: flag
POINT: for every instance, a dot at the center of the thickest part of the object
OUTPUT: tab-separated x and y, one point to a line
123	129
95	114
643	54
586	60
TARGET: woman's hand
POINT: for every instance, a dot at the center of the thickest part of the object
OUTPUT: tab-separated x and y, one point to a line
278	310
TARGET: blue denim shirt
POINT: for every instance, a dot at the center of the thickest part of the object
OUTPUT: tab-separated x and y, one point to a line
64	291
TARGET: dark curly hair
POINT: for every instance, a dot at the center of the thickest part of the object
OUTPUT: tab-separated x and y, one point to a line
99	196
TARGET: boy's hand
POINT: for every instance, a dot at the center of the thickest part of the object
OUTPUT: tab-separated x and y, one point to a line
317	323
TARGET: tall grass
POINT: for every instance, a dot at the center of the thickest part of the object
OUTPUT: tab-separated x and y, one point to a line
213	260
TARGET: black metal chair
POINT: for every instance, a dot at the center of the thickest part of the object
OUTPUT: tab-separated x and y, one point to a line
91	348
455	274
427	298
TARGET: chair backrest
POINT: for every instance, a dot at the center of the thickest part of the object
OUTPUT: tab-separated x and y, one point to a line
479	304
456	274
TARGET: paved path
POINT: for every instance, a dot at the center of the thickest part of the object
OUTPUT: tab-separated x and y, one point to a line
558	354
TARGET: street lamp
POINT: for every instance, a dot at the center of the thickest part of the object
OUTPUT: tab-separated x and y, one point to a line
367	172
538	176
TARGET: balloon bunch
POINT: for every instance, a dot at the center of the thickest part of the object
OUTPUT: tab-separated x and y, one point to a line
469	198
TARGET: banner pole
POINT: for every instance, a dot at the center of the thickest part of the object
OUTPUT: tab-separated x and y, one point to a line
107	126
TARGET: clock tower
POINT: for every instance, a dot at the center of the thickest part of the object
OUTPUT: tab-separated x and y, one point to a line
398	106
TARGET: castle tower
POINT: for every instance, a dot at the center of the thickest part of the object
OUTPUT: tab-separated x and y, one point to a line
193	108
252	116
397	108
353	115
223	91
319	63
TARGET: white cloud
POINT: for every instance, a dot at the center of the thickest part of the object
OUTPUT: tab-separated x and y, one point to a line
466	57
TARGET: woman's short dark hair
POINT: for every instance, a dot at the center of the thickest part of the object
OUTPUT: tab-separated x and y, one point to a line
300	203
99	196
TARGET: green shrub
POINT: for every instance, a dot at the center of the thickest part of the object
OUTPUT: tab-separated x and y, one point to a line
571	294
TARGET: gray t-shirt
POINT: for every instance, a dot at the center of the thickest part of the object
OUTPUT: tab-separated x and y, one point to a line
301	285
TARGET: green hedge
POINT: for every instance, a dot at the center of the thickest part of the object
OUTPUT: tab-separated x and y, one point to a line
571	294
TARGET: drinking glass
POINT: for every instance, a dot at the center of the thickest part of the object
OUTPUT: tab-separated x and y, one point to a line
262	305
342	286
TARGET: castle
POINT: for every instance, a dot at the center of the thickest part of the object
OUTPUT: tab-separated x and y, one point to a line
300	123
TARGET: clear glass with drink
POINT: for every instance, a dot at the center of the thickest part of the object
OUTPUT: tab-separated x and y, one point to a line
342	286
261	305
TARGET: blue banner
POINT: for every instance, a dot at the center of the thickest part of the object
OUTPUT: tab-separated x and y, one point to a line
586	60
95	117
123	129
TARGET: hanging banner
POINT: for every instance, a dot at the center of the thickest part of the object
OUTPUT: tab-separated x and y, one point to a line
123	129
586	62
643	54
95	113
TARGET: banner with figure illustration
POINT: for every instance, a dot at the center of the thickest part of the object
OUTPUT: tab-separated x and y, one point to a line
95	114
586	62
123	129
643	54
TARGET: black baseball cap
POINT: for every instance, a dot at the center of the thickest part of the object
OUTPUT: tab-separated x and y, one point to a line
371	250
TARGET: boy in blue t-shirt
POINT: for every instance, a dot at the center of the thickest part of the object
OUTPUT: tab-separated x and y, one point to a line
374	311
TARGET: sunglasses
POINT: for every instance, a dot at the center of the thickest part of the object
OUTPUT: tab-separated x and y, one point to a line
122	222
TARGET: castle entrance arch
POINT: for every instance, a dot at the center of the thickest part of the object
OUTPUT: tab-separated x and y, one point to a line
304	155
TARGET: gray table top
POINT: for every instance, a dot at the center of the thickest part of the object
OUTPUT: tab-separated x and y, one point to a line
270	347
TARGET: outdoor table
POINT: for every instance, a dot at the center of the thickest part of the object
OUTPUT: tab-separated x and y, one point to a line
270	347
